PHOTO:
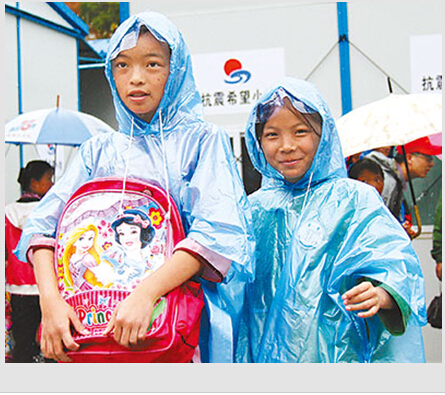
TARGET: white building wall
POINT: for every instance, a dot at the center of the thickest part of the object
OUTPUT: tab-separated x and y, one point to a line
48	69
382	30
44	11
11	85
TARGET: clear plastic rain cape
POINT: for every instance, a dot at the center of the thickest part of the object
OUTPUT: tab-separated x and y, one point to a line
316	239
197	161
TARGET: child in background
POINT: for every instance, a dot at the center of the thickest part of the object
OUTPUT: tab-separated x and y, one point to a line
164	140
369	172
35	180
336	279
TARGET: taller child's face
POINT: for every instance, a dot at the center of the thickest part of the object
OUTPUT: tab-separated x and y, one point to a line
290	143
140	75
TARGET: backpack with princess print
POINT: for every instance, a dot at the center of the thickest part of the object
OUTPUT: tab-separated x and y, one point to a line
112	234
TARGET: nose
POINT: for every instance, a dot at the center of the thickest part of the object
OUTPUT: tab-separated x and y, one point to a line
137	76
287	144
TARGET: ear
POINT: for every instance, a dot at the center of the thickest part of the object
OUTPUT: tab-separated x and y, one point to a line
409	158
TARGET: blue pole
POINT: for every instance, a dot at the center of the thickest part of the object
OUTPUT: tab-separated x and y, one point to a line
343	45
79	93
124	11
19	81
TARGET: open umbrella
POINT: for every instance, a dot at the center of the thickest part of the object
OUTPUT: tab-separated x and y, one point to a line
393	121
53	126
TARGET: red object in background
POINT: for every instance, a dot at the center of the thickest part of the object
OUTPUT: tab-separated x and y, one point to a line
428	145
16	272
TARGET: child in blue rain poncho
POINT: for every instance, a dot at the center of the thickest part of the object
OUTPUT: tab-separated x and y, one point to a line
162	139
336	277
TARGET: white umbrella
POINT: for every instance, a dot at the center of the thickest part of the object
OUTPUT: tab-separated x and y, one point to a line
394	120
53	126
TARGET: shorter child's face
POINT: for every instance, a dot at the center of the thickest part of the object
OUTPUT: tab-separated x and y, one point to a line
140	75
371	178
289	143
129	236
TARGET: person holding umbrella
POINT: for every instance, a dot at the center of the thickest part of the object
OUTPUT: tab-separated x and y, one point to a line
419	161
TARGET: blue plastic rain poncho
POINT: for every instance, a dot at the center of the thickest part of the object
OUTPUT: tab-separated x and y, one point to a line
202	175
316	239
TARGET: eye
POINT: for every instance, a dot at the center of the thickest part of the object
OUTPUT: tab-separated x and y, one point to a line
299	132
120	65
269	134
153	65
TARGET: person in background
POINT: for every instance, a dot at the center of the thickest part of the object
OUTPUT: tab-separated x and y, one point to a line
336	279
35	181
369	172
419	157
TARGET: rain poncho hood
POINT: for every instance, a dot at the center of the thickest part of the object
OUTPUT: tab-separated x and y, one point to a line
316	239
185	156
181	98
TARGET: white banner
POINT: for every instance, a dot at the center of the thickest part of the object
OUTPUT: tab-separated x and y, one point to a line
231	82
426	64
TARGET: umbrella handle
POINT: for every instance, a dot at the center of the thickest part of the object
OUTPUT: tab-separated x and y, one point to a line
416	210
419	223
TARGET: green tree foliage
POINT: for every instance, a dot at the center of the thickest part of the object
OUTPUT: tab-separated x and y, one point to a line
101	17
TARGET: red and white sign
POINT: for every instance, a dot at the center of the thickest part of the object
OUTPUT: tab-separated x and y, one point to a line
231	82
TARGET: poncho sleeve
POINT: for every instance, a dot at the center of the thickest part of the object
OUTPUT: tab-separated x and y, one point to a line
376	247
217	216
215	207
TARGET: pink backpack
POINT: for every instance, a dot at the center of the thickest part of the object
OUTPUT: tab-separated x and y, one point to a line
107	242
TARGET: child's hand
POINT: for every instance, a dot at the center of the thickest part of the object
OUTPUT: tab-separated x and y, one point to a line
57	316
367	297
130	320
132	316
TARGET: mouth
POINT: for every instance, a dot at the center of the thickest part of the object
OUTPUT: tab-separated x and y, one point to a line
137	96
290	162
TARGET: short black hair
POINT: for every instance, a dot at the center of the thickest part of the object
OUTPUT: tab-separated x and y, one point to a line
364	164
266	110
34	170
